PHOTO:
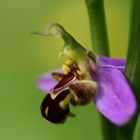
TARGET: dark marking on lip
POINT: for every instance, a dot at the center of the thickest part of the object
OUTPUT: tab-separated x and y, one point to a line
55	113
84	90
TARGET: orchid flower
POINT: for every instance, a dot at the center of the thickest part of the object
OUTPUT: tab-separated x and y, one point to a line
85	77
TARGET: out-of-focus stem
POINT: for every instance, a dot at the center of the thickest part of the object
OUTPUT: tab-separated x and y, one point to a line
98	26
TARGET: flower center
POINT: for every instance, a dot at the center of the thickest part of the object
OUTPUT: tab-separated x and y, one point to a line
75	85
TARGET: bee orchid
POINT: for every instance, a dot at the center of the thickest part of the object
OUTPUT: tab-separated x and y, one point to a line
85	77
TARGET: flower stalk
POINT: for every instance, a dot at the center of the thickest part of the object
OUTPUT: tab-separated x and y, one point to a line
98	29
100	45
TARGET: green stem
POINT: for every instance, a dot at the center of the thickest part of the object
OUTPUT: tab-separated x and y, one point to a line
100	46
133	69
98	26
109	130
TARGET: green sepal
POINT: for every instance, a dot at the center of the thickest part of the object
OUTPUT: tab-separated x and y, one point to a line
71	47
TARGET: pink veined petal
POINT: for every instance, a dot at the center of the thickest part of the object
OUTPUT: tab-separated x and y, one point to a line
118	63
115	99
46	81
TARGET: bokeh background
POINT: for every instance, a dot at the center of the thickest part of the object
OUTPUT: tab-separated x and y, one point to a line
23	57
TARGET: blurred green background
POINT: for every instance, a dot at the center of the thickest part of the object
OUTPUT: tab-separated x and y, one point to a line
24	57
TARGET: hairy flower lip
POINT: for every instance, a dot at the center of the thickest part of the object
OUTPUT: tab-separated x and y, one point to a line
55	106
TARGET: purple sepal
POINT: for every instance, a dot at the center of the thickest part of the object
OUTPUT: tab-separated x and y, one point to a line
115	99
118	63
